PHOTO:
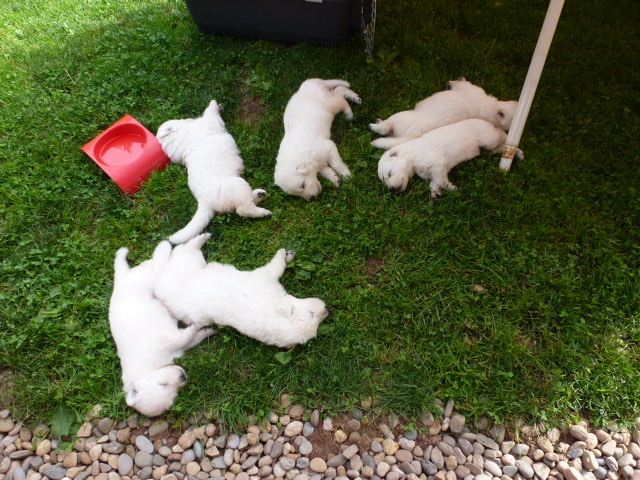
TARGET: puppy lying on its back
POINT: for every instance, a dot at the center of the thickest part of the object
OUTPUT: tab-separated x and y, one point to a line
462	100
434	154
252	302
147	336
214	166
307	148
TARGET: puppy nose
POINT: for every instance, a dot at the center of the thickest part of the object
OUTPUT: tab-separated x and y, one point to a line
395	189
312	197
447	86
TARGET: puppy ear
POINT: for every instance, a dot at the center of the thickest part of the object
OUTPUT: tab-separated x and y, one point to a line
302	169
285	308
166	132
132	396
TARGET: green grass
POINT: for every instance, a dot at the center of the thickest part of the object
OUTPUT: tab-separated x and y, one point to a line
555	242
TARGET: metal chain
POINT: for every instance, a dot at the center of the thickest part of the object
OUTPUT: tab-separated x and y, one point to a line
368	29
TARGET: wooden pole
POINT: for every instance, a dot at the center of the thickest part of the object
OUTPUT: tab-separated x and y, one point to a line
531	83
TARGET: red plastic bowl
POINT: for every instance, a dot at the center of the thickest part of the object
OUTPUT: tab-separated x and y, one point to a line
128	153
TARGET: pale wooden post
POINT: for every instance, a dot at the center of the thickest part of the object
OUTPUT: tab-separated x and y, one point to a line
531	82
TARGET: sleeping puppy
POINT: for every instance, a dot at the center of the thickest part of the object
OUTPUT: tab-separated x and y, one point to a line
462	100
434	154
252	302
147	336
214	168
307	148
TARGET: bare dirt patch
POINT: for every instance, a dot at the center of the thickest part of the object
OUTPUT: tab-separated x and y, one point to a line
252	109
373	265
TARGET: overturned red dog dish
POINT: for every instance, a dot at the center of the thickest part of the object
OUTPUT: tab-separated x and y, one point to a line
128	153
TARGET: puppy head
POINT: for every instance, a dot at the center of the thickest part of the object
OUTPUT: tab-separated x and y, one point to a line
306	310
302	182
168	137
167	129
395	170
153	394
506	111
316	308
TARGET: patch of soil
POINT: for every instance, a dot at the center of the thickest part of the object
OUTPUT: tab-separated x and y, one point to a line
323	444
5	387
252	109
373	265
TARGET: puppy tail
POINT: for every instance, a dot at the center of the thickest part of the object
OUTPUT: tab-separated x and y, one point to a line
120	265
197	224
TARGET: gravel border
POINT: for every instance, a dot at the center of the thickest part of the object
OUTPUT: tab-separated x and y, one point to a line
302	445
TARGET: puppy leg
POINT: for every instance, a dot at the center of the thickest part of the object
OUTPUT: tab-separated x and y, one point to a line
388	142
339	104
258	195
197	224
330	174
331	84
381	127
186	338
197	242
519	153
250	210
335	160
348	94
161	255
275	268
440	180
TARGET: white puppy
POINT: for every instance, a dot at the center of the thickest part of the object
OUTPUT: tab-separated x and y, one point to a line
252	302
434	154
214	166
307	148
462	100
147	336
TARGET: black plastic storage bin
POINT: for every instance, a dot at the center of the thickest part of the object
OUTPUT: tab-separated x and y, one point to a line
324	22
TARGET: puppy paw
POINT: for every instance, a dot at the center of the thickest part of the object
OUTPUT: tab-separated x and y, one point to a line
208	331
259	193
289	256
356	99
519	154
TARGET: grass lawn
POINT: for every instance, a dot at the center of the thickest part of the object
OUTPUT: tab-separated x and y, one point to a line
555	243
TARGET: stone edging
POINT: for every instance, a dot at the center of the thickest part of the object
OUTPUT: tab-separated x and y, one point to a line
290	447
